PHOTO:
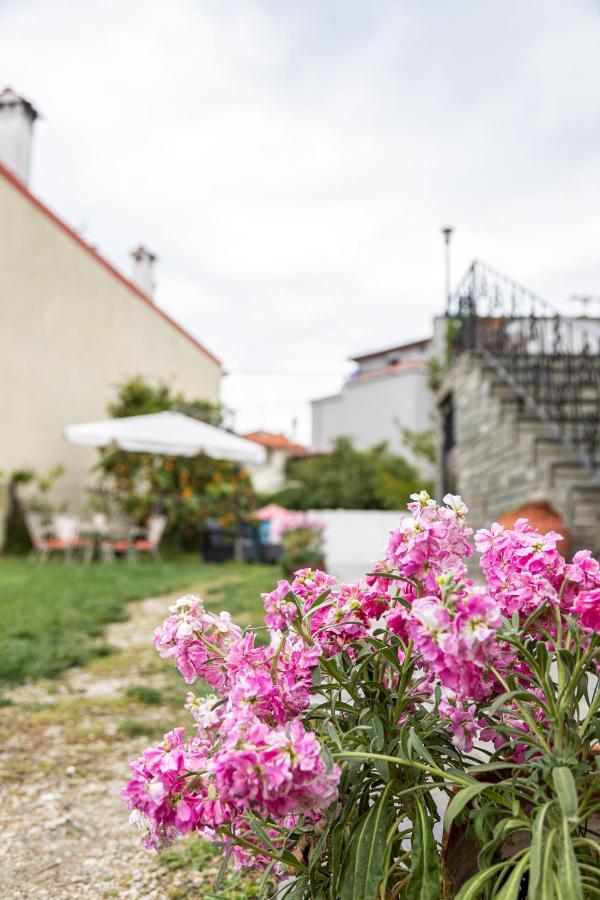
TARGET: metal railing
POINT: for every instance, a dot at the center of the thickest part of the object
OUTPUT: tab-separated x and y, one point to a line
552	362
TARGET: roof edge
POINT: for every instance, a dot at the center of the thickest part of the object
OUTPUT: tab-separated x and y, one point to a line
22	187
410	345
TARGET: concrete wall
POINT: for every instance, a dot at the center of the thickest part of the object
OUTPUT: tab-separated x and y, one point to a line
375	409
70	331
355	538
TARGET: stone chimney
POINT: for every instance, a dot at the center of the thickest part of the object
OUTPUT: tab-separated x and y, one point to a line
143	269
17	116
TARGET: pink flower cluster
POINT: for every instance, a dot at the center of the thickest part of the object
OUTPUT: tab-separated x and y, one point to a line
203	784
271	683
197	640
456	639
274	771
251	752
525	571
434	541
311	584
346	617
338	618
280	611
463	724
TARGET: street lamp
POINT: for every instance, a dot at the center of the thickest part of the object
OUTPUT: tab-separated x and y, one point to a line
447	231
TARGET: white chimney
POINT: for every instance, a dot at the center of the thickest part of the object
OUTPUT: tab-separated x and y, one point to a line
143	266
17	116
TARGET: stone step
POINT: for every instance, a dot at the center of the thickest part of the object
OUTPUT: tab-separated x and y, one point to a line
570	470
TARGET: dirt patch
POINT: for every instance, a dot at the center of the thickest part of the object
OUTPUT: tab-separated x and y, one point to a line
65	751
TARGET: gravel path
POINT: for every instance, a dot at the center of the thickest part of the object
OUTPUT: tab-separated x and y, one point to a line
65	748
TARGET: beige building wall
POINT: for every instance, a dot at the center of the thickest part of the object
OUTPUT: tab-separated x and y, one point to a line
70	331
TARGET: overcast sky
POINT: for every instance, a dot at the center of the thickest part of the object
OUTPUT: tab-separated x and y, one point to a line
292	161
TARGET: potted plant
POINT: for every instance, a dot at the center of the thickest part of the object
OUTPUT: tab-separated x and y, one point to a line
330	757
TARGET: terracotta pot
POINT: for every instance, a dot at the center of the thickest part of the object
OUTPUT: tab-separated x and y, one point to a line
543	518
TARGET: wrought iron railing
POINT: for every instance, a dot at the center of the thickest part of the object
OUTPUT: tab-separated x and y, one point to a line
552	362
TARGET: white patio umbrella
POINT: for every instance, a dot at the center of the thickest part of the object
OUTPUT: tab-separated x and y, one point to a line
168	433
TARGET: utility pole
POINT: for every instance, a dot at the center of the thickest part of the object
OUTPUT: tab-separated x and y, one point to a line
447	231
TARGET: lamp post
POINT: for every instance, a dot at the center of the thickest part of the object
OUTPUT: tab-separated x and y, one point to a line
447	231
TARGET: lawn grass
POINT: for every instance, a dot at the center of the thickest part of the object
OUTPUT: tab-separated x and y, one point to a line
54	614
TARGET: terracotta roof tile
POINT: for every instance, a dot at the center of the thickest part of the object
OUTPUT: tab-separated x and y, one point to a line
275	441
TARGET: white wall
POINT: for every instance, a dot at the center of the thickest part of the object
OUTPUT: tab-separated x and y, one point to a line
270	476
70	332
355	538
374	410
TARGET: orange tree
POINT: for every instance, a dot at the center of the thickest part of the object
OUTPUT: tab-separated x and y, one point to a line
188	490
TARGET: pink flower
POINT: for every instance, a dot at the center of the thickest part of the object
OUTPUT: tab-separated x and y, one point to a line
343	620
310	584
587	606
523	569
396	620
434	541
584	570
271	683
456	642
280	611
462	722
275	771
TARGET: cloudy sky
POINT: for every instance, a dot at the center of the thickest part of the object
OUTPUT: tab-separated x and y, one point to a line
292	161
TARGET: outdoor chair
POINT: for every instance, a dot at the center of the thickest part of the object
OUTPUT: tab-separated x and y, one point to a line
66	531
60	536
118	540
149	538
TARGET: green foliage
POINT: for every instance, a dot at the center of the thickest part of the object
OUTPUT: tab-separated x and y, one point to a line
142	693
348	478
436	366
54	614
200	855
423	444
186	490
302	548
138	396
137	728
27	490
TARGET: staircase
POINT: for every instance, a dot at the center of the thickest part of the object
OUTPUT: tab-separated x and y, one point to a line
526	389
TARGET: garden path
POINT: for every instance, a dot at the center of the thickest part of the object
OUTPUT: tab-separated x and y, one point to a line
66	745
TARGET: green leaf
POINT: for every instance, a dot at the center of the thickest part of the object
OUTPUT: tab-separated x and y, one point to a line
569	876
266	875
548	877
472	889
260	832
424	881
223	868
317	853
363	865
510	888
566	790
417	744
537	852
378	740
460	800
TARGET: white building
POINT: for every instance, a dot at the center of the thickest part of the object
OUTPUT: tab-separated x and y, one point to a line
387	392
72	327
270	477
